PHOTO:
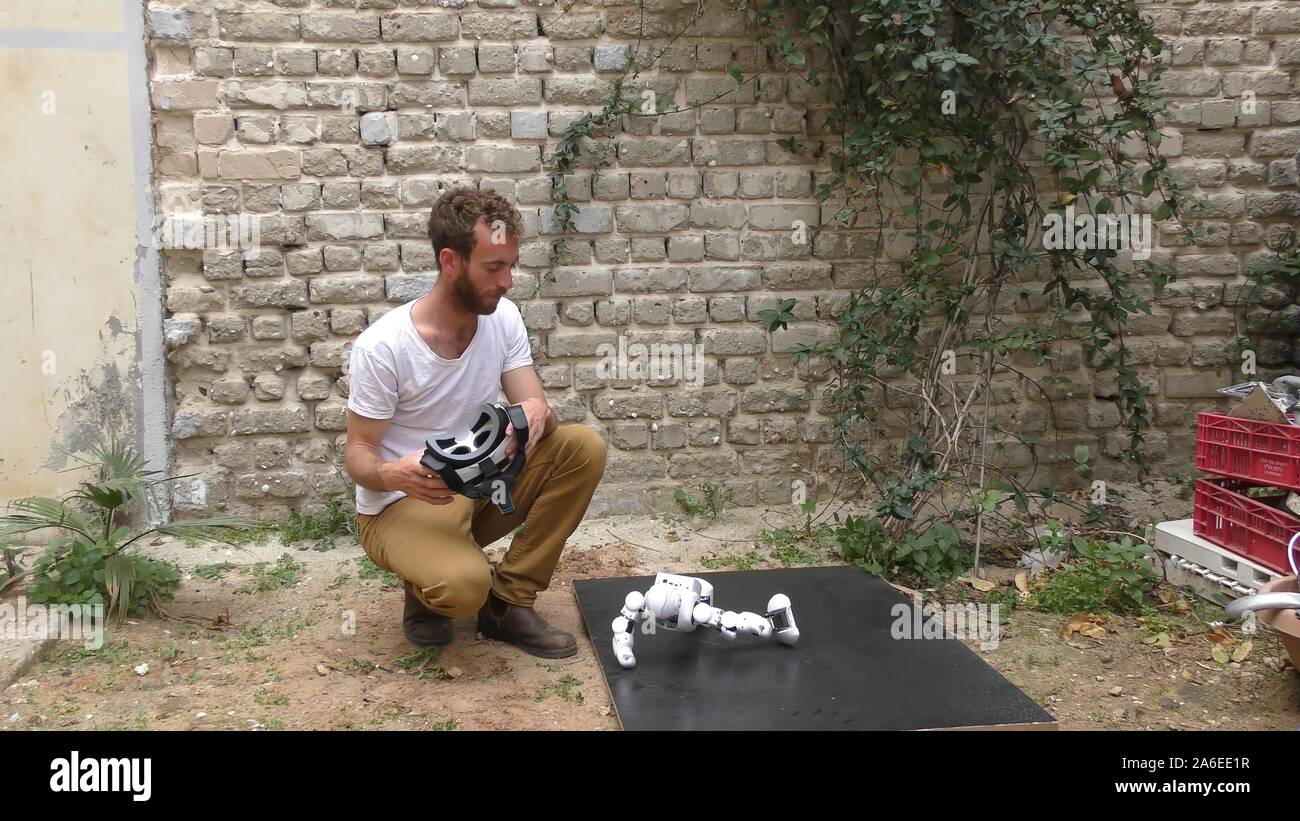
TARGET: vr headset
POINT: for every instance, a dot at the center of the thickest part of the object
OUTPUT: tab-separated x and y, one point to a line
475	463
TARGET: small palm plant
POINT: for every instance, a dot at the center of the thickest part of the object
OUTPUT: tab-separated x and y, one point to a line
88	562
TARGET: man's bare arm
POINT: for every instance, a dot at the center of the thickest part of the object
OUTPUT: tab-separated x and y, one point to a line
367	469
522	387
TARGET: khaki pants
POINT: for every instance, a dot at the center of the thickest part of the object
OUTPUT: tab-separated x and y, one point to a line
438	549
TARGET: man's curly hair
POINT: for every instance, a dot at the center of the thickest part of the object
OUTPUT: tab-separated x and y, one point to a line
454	215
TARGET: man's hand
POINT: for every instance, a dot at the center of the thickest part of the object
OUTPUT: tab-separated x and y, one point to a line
539	414
414	479
522	387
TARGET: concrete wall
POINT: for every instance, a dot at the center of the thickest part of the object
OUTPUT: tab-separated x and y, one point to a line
80	317
337	123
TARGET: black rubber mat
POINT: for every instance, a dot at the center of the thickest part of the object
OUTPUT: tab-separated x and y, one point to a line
846	672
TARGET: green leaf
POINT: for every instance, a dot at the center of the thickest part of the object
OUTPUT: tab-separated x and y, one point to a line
1160	640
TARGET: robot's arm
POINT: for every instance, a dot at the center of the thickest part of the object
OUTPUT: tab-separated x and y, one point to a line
624	626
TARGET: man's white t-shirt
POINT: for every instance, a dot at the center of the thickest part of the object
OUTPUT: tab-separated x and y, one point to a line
393	374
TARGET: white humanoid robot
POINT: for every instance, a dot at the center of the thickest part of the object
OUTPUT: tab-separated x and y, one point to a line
685	602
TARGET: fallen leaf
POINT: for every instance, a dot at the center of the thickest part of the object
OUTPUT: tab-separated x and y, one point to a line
982	585
1220	655
1189	676
1160	640
1219	636
1084	624
1022	582
672	537
1243	652
907	591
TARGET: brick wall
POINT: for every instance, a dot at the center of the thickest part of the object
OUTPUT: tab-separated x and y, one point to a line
336	124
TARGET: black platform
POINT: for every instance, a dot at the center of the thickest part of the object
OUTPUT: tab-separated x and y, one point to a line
845	673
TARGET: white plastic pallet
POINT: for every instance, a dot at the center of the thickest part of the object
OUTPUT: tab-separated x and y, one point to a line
1209	569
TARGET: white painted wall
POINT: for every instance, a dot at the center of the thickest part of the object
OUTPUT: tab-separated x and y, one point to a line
80	323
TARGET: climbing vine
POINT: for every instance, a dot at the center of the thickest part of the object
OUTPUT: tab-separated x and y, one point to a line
1263	304
954	133
588	128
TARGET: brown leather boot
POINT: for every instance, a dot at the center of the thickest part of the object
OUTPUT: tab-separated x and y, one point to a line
422	626
522	627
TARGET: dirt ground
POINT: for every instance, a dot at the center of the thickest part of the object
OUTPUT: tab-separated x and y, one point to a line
325	650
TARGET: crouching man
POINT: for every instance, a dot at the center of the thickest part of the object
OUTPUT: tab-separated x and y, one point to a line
422	370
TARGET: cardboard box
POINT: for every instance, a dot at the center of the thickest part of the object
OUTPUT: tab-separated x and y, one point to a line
1261	407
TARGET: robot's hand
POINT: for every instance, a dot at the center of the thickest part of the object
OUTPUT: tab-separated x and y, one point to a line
624	627
781	615
623	630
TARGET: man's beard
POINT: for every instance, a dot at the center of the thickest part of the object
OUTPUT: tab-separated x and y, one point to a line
467	299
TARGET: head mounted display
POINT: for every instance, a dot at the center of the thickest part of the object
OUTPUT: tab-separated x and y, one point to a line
475	463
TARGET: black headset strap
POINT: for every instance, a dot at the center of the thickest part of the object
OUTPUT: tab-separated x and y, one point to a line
518	421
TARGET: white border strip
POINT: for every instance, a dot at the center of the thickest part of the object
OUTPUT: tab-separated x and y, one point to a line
148	273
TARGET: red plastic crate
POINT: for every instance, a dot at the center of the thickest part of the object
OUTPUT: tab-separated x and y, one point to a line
1266	453
1248	526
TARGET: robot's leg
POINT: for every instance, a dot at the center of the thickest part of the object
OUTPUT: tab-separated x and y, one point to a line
779	620
624	627
729	623
706	615
781	616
